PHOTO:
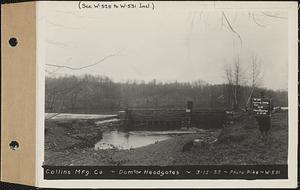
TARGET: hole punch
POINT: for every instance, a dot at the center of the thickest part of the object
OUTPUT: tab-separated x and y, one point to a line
14	145
13	41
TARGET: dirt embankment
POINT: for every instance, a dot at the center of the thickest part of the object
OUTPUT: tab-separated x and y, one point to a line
237	144
69	134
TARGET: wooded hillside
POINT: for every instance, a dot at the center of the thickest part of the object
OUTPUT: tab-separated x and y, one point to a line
99	94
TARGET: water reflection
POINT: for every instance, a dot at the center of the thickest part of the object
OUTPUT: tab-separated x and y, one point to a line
127	140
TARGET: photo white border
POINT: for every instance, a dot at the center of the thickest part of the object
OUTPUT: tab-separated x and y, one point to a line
291	182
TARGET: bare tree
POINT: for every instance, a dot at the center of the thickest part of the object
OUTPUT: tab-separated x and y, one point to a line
234	77
237	72
255	76
229	78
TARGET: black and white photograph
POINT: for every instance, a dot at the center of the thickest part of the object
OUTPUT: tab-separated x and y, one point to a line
164	84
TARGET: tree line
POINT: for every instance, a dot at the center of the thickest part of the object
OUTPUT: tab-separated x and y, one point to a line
100	94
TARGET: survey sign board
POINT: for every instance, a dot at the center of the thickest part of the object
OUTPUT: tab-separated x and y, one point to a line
261	106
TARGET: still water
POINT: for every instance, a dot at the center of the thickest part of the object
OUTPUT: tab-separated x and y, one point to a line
134	139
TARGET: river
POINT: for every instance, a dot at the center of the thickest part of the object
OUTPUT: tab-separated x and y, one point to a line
134	139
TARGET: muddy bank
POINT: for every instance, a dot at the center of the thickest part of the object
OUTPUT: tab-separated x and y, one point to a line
237	144
69	134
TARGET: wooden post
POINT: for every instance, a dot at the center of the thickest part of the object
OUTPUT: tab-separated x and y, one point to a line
188	111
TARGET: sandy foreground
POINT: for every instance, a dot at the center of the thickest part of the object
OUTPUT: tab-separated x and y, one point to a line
238	144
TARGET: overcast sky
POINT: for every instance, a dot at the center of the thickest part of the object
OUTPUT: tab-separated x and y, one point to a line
175	41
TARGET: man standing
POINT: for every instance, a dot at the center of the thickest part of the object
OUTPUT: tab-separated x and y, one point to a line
262	110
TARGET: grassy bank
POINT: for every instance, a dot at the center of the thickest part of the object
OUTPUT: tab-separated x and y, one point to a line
237	144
